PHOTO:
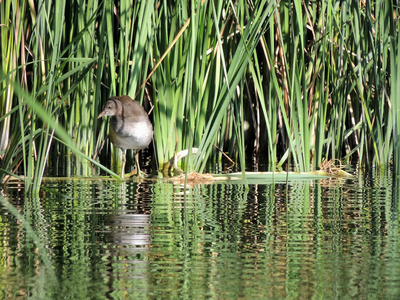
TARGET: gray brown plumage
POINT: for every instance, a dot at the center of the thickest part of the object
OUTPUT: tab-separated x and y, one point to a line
130	127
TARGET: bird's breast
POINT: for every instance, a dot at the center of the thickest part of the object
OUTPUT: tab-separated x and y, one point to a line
131	135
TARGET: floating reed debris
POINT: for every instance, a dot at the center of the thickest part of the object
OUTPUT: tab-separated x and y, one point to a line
330	167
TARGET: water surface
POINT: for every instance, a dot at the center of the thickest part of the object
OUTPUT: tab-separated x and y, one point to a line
102	239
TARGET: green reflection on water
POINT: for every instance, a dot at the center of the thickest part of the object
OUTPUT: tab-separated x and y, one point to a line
106	239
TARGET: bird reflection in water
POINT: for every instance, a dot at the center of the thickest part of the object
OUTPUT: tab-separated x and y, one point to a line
129	240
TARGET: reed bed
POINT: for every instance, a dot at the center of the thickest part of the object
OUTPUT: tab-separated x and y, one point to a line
293	82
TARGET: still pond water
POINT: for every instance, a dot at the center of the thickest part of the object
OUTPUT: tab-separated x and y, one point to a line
104	239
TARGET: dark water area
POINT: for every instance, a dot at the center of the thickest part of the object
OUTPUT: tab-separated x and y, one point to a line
104	239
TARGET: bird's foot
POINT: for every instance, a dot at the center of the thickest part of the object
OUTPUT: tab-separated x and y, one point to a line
140	174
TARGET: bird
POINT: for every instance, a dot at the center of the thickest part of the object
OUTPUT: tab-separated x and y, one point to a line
130	126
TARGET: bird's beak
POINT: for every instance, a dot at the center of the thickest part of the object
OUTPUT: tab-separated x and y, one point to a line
101	114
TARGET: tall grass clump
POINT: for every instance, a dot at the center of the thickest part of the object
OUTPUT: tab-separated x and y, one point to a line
49	83
290	82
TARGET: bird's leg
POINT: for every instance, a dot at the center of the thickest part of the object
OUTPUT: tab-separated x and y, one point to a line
123	163
139	174
137	161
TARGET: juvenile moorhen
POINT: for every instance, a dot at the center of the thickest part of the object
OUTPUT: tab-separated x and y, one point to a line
130	127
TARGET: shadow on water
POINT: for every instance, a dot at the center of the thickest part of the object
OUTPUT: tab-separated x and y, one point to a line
108	239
